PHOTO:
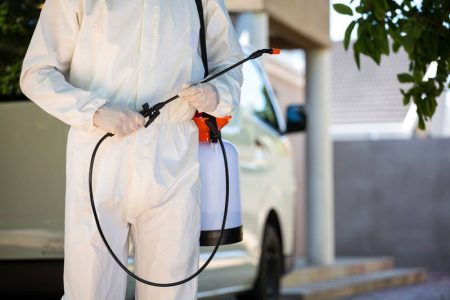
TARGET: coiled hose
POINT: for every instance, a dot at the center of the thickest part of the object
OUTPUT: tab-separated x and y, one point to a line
213	128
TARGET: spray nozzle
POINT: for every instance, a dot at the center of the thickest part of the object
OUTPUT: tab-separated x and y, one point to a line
275	51
260	52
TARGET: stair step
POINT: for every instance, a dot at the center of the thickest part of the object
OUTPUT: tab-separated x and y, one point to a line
343	267
363	283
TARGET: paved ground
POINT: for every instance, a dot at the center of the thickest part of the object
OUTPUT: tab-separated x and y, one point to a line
436	288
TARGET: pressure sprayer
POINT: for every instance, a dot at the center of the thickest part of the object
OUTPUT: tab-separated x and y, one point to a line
209	132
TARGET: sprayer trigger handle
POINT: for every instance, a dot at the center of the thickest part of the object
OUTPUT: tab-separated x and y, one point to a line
145	110
152	117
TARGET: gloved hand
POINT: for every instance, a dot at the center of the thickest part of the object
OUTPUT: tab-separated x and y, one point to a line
204	96
119	121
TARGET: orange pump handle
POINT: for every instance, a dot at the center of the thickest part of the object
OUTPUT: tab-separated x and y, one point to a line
203	129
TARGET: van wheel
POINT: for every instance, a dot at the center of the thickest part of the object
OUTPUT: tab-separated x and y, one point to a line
267	285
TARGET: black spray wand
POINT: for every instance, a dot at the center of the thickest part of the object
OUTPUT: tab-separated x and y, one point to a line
153	112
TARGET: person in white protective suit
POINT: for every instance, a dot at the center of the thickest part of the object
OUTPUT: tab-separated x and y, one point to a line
92	64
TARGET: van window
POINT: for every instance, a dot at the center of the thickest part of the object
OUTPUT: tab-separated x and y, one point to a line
255	97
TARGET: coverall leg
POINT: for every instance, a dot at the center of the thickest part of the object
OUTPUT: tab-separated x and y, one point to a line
156	197
165	219
89	270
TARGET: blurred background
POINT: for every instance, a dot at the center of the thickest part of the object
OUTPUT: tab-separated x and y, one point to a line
369	208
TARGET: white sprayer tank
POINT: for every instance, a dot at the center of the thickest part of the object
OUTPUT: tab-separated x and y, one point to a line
213	190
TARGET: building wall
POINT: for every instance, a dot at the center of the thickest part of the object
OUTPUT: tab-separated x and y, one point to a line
393	198
293	23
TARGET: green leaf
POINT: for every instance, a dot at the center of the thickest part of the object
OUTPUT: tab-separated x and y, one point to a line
379	14
377	56
348	34
395	46
405	77
408	43
385	43
432	104
364	44
343	9
356	55
421	121
406	96
406	99
418	75
425	107
360	9
385	4
415	29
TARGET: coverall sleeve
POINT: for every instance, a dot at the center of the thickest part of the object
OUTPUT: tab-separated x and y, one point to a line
47	63
223	50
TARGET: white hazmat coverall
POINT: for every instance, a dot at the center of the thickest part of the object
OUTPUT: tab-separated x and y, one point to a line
85	53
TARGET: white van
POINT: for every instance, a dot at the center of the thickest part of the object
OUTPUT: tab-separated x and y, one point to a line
32	205
267	188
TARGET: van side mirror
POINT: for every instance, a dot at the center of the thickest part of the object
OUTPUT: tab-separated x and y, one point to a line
295	118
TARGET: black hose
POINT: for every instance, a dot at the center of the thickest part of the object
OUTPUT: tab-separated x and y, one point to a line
216	247
152	113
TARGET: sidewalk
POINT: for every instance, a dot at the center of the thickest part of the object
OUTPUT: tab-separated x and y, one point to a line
436	288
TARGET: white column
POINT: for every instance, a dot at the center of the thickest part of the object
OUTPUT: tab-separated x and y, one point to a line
253	28
319	158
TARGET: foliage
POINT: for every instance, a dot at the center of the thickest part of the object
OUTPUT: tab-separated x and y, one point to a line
421	28
17	21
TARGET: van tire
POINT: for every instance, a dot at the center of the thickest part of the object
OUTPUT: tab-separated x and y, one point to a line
267	285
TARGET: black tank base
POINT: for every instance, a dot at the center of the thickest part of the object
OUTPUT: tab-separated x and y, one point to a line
230	236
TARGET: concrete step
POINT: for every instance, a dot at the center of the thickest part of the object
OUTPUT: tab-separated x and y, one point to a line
343	267
349	286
